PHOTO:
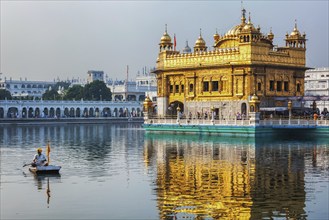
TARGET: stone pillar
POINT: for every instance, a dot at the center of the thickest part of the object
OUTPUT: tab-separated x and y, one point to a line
254	110
212	109
254	118
147	108
178	114
289	108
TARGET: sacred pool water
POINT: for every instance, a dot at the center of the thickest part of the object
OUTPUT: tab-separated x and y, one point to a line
117	171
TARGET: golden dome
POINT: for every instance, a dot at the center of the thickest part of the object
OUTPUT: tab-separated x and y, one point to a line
270	35
216	36
200	43
295	32
249	26
254	98
235	30
165	39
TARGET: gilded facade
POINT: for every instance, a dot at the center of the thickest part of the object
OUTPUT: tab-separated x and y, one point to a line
243	62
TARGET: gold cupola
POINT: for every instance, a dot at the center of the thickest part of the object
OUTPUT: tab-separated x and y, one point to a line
270	35
295	39
165	41
200	44
216	36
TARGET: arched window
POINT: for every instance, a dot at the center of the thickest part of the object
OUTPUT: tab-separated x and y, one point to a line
259	86
191	87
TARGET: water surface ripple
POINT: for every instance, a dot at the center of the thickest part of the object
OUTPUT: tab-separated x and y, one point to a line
117	171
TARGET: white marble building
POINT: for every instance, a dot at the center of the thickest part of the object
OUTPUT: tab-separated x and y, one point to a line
317	84
23	88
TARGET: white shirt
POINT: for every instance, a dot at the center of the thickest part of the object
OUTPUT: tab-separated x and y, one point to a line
39	159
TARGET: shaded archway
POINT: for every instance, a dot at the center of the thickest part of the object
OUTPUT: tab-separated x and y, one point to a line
12	112
51	112
58	112
244	108
97	112
121	112
172	108
37	113
24	113
118	97
77	112
2	113
85	112
30	112
66	112
72	112
45	112
106	112
115	112
91	112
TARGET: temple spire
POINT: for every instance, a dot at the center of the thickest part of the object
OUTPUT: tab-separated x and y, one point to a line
243	17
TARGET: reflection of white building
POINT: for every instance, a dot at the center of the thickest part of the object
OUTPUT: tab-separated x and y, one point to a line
144	85
317	84
24	88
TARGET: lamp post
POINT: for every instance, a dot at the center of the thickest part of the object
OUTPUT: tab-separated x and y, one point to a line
212	114
289	108
178	113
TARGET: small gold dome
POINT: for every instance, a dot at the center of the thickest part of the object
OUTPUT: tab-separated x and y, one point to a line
254	98
147	101
295	32
200	42
249	26
270	35
216	36
165	38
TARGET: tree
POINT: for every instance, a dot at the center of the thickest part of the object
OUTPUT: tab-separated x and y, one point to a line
51	94
75	92
97	90
5	94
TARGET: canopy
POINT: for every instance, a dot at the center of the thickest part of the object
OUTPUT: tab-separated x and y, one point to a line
272	109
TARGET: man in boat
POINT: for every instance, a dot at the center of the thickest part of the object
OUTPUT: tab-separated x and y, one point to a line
39	159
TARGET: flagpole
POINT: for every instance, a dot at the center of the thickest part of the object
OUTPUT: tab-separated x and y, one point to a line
48	152
174	42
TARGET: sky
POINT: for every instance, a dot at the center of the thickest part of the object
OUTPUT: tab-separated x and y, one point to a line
46	40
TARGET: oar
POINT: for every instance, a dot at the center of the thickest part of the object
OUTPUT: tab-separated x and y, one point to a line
27	164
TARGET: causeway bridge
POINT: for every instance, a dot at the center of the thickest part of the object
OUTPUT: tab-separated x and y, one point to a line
69	109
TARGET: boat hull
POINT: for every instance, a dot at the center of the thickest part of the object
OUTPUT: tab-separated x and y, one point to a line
45	169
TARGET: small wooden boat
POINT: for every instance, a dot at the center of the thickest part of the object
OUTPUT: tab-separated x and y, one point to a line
45	169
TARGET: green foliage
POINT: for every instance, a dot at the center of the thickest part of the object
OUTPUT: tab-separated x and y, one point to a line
64	85
5	94
51	95
76	92
97	90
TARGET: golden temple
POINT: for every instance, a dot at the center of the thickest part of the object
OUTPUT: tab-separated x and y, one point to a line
243	62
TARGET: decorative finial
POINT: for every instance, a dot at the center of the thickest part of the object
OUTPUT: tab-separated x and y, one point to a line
243	18
186	43
166	28
249	19
296	24
216	31
200	33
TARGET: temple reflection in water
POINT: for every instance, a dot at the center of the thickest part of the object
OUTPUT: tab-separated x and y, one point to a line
227	178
